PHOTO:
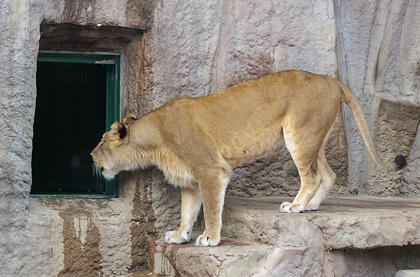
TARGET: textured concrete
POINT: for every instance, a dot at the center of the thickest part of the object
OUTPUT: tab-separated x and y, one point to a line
231	258
358	223
327	242
194	48
381	230
146	273
66	237
19	32
245	40
378	48
130	14
408	273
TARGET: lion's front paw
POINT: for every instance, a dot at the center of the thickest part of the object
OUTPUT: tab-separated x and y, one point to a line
204	240
287	207
174	237
312	207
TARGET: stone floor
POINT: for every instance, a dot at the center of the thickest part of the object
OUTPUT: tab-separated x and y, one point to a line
408	273
141	274
357	223
346	237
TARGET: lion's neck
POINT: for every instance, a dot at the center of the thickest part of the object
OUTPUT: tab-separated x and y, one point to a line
176	172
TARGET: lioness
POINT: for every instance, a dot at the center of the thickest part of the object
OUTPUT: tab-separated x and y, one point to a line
197	141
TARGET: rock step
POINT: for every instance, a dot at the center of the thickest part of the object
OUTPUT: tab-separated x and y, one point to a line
231	258
340	223
146	273
408	273
345	237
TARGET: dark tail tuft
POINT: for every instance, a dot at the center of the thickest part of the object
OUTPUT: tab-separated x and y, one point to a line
400	162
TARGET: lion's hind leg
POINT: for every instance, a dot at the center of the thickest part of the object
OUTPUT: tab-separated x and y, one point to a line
316	176
304	150
310	182
327	177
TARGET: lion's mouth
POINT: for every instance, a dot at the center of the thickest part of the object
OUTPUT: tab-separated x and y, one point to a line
102	171
98	170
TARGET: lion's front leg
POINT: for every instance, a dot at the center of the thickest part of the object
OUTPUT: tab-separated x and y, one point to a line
213	194
191	204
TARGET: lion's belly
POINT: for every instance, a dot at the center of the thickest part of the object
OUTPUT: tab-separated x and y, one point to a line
249	147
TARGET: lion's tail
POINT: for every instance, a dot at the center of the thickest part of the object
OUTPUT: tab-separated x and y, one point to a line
351	100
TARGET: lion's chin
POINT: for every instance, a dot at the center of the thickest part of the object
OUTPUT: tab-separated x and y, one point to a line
108	174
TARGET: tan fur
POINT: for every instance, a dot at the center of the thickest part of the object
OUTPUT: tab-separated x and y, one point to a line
197	141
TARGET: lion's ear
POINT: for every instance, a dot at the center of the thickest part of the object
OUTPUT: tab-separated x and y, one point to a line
117	133
129	118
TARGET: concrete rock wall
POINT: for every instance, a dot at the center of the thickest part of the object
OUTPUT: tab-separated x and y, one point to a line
130	14
378	50
19	34
245	41
195	48
67	237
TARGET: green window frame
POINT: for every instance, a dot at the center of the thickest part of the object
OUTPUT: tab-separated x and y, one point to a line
111	61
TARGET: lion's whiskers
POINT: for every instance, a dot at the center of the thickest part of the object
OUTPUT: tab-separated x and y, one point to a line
96	170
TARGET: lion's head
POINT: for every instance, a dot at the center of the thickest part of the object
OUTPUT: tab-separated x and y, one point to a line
109	156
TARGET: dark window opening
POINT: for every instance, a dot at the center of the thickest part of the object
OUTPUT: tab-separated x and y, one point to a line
75	103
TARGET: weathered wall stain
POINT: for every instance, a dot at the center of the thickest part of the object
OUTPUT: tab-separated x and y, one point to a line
81	247
142	226
81	11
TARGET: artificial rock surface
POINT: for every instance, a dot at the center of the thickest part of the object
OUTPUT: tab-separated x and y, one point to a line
379	61
194	48
261	241
408	273
230	258
356	223
245	40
